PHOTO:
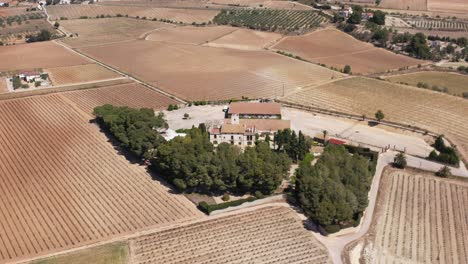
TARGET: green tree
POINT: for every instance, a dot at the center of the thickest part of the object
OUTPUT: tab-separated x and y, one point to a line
418	47
379	115
56	24
378	18
347	69
400	161
444	172
355	18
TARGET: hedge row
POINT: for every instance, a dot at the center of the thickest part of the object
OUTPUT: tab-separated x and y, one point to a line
208	208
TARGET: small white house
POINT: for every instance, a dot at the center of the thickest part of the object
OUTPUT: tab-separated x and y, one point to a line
30	76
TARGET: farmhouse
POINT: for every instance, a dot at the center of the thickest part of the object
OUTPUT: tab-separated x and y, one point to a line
246	110
247	122
29	76
346	11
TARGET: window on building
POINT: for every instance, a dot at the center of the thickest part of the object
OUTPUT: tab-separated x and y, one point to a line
232	137
240	143
215	136
232	142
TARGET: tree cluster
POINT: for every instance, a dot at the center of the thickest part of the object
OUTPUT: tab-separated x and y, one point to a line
334	190
192	164
44	35
295	146
418	47
446	155
135	129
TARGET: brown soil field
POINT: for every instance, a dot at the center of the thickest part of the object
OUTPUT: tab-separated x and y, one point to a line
131	95
79	73
3	85
437	112
454	82
160	3
420	219
455	6
205	73
266	235
105	30
335	48
246	39
178	15
12	11
189	34
38	55
64	185
404	4
285	5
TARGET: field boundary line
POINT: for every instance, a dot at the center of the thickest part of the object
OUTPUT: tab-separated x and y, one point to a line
124	74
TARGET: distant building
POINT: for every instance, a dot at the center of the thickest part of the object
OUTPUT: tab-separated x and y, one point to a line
3	4
65	2
30	76
246	121
367	15
346	11
254	110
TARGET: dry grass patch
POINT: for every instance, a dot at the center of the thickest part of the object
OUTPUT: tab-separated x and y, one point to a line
189	34
63	184
265	235
79	73
205	73
246	39
38	55
335	48
131	95
108	254
454	82
441	113
91	11
421	219
104	30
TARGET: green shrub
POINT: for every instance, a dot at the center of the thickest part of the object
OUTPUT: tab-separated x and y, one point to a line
332	228
226	197
207	208
37	84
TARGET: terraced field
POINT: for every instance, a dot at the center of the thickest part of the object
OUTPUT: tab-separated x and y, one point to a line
271	20
79	74
131	95
205	73
105	30
444	114
91	11
422	219
63	185
267	235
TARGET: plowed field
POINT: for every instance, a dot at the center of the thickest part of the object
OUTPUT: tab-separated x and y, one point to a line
246	39
62	184
335	48
178	15
205	73
266	235
189	34
404	4
421	219
104	30
79	73
131	95
37	55
441	113
455	6
3	85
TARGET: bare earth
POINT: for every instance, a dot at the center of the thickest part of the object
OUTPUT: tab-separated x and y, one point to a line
204	73
178	15
440	113
37	55
131	95
189	34
404	4
420	219
79	73
64	185
335	48
271	234
456	6
246	39
105	30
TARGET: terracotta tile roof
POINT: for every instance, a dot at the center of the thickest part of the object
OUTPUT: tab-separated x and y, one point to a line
232	129
215	131
255	108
